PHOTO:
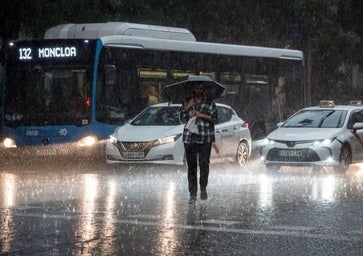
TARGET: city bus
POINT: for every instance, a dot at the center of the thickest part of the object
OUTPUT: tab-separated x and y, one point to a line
66	93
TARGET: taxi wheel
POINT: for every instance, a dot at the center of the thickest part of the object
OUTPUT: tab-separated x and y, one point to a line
242	153
273	167
345	159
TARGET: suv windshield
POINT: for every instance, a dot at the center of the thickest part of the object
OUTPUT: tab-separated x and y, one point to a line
57	96
317	118
158	116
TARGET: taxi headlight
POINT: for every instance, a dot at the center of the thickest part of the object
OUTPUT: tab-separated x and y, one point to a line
112	139
324	142
9	143
264	142
269	142
87	141
330	159
166	140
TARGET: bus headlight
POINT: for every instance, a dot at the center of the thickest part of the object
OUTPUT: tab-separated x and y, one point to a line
87	141
9	143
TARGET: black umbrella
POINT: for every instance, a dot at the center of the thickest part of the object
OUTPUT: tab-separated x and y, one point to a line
178	92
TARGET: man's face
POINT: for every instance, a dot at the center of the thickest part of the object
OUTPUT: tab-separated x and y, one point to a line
198	89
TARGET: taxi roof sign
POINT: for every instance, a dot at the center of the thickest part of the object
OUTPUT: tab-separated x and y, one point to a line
355	102
327	103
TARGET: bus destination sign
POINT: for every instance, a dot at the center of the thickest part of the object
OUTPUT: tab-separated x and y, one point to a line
27	53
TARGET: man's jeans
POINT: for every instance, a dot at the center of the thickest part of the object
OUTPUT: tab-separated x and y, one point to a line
195	152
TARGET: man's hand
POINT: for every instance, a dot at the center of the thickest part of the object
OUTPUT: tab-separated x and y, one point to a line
190	104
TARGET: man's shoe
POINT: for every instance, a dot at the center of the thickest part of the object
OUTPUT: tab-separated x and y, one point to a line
203	194
193	199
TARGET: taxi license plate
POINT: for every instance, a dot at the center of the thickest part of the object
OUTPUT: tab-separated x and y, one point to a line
133	154
291	153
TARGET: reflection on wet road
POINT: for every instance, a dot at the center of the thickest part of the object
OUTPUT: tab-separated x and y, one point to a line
82	209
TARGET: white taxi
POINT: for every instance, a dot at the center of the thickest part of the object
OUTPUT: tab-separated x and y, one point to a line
155	136
326	135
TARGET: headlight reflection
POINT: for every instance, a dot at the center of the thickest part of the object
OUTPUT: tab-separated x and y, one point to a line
8	192
266	191
167	234
324	188
90	191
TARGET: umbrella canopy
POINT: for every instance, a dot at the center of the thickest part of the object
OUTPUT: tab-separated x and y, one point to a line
178	92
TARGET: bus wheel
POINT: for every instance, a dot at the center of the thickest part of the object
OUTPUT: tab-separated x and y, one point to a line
242	153
273	167
345	159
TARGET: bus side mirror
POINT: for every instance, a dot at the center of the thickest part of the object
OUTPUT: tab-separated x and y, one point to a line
110	74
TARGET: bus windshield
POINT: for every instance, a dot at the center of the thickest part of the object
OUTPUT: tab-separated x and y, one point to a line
50	96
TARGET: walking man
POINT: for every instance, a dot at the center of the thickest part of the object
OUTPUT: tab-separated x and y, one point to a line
198	140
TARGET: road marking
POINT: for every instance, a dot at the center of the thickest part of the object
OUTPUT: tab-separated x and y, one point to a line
219	222
145	216
287	233
25	207
158	217
296	228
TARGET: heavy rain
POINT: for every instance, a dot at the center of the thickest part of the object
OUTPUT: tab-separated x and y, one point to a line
75	209
92	160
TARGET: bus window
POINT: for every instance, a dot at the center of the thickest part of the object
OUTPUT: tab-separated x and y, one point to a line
109	101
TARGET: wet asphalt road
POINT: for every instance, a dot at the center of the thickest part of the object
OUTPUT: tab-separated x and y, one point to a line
85	208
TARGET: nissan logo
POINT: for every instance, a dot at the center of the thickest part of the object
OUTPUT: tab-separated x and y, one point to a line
290	144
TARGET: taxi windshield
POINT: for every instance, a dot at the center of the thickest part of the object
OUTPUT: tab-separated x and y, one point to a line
158	116
317	118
